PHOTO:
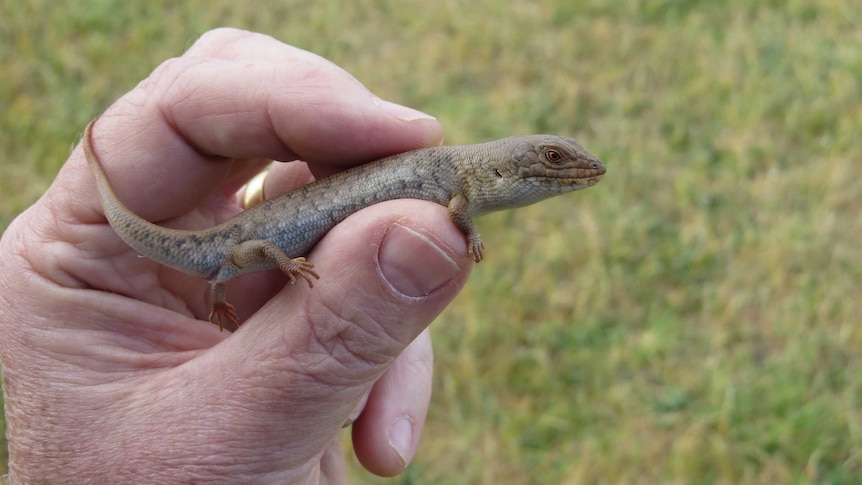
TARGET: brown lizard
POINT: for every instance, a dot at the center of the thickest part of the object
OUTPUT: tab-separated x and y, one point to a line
470	180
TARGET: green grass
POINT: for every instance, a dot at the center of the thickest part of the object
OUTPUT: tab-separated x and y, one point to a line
695	318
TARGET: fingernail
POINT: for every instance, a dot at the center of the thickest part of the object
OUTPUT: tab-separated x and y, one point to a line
414	264
401	439
402	112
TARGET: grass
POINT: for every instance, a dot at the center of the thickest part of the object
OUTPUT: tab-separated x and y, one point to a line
695	318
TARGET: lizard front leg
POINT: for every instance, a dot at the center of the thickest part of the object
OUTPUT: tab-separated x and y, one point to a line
459	215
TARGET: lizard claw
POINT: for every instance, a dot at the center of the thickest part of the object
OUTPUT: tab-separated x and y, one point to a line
299	267
476	248
223	309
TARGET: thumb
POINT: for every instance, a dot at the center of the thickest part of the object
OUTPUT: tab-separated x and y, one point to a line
300	365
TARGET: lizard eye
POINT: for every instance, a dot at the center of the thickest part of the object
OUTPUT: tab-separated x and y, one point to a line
553	156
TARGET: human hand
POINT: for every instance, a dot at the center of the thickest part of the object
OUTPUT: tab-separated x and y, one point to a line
111	373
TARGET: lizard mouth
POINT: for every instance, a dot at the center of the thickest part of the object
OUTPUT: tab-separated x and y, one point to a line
595	179
586	177
569	184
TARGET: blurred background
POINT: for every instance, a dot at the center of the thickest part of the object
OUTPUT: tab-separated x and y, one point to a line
694	318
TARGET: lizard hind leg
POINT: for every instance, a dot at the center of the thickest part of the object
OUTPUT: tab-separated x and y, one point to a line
219	307
257	251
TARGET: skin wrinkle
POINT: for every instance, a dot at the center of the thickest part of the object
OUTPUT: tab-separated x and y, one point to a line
306	368
168	103
145	186
291	94
149	282
330	331
217	409
48	268
174	106
172	95
46	264
76	202
213	463
306	405
80	254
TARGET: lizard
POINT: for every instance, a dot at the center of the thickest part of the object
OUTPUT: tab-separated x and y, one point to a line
471	180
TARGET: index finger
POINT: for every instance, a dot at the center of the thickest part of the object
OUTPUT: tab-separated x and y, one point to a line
237	95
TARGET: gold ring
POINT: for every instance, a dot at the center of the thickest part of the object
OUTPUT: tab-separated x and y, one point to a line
254	194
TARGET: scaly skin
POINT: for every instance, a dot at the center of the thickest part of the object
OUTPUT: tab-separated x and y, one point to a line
470	180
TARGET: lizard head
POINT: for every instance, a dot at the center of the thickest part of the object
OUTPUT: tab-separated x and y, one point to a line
536	167
556	161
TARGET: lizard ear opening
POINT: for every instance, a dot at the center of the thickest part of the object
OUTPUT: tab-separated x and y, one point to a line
497	173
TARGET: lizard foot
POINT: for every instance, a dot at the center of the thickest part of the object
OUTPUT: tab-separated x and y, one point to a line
476	248
223	309
298	267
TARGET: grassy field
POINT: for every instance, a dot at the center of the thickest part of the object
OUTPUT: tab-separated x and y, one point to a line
695	318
